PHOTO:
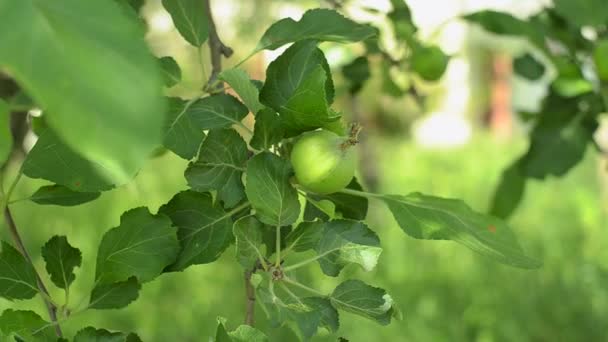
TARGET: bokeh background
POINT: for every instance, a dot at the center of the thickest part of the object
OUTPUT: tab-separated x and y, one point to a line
453	139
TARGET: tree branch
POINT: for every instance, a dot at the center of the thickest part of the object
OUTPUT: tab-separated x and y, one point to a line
12	228
217	49
250	305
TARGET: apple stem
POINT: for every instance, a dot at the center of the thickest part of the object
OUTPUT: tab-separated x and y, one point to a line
353	136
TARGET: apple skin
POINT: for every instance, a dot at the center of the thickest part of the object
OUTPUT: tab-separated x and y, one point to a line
323	161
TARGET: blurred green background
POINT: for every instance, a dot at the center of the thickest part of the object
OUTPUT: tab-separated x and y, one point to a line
445	291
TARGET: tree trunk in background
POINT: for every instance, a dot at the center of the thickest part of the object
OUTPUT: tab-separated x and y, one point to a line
368	165
500	118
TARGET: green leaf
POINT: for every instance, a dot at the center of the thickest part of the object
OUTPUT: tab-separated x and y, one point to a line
299	87
269	190
322	209
249	241
317	24
529	67
61	259
401	20
435	218
267	130
323	307
505	24
6	141
183	134
141	246
93	75
190	19
364	300
90	334
572	87
26	326
239	81
351	207
114	296
17	277
583	12
509	192
306	236
343	242
429	62
60	195
221	335
600	57
172	74
220	165
203	229
54	161
245	333
357	72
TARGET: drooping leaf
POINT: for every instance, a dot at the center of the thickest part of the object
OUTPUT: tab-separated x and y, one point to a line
6	141
220	165
60	195
249	243
114	295
434	218
364	300
99	84
17	277
25	326
528	67
90	334
54	161
583	12
269	190
172	74
245	333
509	192
357	72
600	58
204	229
317	24
343	242
190	19
141	246
183	135
267	131
61	259
240	82
429	62
299	87
306	236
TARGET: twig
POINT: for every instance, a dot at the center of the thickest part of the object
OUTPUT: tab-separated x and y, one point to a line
217	50
12	228
250	306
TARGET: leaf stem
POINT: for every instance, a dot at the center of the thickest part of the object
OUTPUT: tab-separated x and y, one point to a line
359	193
304	287
277	262
305	262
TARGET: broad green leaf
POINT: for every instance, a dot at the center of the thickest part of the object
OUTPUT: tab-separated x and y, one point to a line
204	229
435	218
54	161
572	87
240	82
317	24
528	67
600	57
429	62
299	87
323	307
269	190
343	242
306	236
190	19
364	300
245	333
583	12
115	295
509	192
306	315
221	335
216	111
17	277
351	207
249	244
401	20
141	246
220	165
6	140
267	131
60	195
172	74
319	209
505	24
99	83
357	72
61	259
26	326
183	135
90	334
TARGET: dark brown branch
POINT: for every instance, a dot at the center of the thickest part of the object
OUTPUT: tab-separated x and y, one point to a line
250	305
12	228
217	49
